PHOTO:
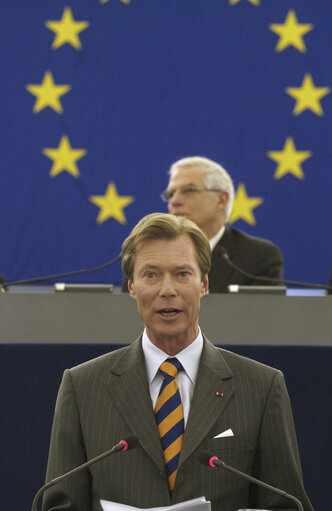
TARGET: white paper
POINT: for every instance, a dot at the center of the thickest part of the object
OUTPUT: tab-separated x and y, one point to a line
198	504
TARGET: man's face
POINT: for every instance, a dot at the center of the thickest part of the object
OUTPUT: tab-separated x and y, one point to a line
202	207
168	286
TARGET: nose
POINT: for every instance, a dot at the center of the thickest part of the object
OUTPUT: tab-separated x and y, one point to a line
176	199
167	287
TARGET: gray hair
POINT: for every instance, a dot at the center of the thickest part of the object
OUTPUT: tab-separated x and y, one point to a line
216	177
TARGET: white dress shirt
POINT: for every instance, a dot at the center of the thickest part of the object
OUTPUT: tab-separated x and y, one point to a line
189	358
214	240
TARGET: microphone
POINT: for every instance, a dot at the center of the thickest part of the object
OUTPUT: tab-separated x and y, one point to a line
206	458
224	255
4	285
129	442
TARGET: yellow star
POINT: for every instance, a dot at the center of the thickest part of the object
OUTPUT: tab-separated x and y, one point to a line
291	32
123	1
243	206
64	157
289	160
307	96
67	30
253	2
111	205
48	94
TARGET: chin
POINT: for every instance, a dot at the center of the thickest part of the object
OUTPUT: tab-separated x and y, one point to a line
169	333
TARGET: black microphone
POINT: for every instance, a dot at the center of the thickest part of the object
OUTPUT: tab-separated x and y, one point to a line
4	285
129	442
206	458
224	255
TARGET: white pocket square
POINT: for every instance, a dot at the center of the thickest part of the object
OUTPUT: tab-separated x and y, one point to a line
228	432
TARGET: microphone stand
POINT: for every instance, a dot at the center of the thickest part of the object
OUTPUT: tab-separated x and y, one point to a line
225	256
127	443
260	483
59	275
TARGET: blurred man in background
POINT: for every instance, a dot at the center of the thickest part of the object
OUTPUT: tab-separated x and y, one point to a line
201	190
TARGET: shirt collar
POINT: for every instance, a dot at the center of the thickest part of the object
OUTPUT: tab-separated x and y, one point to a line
189	357
214	240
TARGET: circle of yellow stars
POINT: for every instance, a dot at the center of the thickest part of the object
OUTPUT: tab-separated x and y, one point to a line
307	96
48	95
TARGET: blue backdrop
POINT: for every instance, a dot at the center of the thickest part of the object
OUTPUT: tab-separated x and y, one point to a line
99	97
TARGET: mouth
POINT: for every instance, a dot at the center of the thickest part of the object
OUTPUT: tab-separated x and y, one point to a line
169	312
176	210
178	213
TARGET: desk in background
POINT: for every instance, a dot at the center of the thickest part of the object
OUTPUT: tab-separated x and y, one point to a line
112	318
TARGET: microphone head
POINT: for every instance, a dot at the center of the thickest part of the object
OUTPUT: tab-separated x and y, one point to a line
129	442
205	457
223	253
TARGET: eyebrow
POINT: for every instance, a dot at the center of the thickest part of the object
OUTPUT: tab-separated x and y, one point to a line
182	186
149	267
177	268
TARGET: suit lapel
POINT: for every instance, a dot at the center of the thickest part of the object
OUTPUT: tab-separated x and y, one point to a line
129	389
221	272
227	241
214	376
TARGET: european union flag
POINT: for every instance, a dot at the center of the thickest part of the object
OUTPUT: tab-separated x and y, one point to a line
99	97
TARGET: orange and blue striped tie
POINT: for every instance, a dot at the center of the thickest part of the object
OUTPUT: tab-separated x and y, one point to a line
169	417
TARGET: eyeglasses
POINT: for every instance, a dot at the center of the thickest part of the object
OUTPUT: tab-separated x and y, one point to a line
187	191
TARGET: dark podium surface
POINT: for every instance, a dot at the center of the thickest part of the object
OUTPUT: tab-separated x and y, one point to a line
44	333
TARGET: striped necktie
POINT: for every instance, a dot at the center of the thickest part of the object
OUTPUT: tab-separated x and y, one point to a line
169	417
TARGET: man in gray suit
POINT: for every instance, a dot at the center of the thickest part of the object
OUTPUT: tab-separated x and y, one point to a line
232	406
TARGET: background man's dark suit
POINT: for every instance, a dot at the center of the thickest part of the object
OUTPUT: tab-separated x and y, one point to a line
107	398
254	255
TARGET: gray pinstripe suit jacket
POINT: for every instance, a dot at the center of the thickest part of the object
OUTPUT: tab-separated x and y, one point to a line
103	400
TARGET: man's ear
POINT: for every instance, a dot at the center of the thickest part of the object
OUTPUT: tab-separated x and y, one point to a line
131	288
223	198
205	286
